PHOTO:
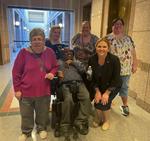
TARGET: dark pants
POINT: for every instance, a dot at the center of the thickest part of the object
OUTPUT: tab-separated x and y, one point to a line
68	104
89	86
39	105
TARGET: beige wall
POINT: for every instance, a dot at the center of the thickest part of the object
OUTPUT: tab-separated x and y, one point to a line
140	82
99	17
96	17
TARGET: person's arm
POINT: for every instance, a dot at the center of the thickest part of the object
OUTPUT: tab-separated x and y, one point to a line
74	40
80	66
94	82
95	38
98	95
134	57
116	80
61	69
54	68
17	72
134	65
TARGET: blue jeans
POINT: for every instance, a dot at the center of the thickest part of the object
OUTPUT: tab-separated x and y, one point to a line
125	85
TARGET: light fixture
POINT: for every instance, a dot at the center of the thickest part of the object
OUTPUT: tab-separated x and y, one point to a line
61	25
25	28
17	23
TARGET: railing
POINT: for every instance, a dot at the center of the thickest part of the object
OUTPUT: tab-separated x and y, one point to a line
66	42
18	44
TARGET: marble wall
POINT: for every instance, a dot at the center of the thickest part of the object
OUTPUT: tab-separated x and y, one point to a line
140	82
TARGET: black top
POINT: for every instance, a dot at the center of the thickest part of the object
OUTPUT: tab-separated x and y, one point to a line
106	76
56	48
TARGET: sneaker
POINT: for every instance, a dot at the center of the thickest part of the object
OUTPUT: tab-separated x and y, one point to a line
124	110
82	128
105	126
22	137
43	134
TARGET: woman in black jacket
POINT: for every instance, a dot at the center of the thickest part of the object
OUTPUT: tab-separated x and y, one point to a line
105	79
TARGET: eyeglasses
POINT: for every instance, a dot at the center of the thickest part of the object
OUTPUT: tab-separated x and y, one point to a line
118	24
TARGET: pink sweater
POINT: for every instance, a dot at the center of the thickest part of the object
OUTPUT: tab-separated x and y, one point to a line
29	72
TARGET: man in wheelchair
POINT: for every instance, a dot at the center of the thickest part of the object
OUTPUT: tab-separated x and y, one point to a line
73	91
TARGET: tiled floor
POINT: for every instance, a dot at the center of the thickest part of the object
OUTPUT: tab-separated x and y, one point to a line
135	127
5	75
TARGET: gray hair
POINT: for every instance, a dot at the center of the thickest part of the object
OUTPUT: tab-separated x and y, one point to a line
37	32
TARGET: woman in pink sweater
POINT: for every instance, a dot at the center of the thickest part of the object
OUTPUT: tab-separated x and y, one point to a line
33	69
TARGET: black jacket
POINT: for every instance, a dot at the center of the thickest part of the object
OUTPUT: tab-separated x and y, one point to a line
107	76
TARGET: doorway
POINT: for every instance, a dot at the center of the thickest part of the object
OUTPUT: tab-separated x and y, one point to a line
23	20
87	12
119	8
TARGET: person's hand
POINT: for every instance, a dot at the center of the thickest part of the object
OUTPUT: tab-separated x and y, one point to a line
60	75
134	68
97	96
18	95
105	98
49	76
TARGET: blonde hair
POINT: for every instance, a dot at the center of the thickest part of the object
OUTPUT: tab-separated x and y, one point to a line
52	30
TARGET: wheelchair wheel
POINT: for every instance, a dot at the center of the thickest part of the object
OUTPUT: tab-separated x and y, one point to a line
75	134
67	138
57	130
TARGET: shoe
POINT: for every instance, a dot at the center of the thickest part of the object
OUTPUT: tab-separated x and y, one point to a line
22	137
105	126
124	110
95	124
57	133
82	128
43	134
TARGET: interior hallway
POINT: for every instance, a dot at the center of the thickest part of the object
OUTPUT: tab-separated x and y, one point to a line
135	127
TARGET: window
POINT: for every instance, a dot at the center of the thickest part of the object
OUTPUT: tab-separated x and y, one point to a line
36	16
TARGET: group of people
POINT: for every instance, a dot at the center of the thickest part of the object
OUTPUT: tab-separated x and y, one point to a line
112	60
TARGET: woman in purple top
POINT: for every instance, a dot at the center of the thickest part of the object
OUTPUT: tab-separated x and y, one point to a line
33	69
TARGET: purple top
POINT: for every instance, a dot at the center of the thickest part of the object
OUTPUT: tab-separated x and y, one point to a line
29	72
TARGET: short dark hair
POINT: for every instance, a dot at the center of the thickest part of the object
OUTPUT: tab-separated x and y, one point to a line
117	19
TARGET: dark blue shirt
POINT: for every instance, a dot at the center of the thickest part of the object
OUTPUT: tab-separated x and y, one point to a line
56	48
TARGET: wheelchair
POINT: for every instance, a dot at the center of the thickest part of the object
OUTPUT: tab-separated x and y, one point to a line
57	110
